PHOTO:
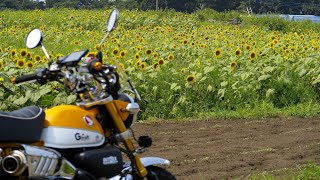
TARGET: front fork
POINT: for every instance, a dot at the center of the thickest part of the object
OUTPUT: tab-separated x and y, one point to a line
119	124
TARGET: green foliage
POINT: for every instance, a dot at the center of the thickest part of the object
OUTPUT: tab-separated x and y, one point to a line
192	68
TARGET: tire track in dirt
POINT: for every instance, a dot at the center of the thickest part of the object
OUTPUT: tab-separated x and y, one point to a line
226	149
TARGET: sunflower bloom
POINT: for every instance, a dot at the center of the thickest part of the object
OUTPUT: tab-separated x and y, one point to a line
23	52
137	56
190	79
29	64
148	51
233	65
123	53
170	57
155	55
161	61
253	55
13	53
139	62
143	65
21	63
29	55
115	52
183	71
238	52
218	53
139	48
155	65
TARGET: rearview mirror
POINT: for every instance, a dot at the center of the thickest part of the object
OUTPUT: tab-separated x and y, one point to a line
34	38
111	25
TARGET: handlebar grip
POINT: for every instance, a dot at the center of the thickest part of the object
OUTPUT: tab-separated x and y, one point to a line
24	78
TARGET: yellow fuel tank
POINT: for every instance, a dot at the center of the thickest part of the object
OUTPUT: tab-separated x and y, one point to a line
69	126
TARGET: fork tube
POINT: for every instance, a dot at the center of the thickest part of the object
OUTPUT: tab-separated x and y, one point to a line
142	171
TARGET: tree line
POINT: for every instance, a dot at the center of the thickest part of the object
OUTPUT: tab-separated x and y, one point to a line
257	6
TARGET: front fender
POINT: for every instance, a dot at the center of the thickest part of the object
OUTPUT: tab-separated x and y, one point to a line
146	161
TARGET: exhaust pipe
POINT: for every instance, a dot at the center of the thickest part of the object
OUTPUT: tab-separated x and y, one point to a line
15	163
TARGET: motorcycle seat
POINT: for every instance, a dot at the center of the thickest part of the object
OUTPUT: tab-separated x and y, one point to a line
23	125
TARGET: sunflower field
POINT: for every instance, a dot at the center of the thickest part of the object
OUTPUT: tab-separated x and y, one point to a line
181	65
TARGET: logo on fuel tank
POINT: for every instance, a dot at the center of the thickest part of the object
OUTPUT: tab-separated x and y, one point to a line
82	137
88	120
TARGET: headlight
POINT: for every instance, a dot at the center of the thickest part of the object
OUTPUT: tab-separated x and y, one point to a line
133	109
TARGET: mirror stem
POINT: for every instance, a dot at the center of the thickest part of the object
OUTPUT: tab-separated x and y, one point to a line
45	52
103	40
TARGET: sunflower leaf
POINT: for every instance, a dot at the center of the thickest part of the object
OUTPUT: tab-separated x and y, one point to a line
264	77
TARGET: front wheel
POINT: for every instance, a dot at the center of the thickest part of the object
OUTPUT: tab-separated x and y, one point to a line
158	173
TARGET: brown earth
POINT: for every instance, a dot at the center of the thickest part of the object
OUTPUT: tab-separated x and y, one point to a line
234	149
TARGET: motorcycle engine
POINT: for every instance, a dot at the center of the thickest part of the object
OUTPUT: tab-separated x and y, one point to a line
105	162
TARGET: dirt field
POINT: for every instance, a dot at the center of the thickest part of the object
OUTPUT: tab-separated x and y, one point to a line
229	149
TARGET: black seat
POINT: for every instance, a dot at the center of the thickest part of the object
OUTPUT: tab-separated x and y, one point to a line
23	125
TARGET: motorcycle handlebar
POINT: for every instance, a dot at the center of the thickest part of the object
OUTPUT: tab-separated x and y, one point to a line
24	78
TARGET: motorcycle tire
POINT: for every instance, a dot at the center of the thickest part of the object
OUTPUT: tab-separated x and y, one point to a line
158	173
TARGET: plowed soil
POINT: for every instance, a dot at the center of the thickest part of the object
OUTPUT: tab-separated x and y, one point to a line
233	149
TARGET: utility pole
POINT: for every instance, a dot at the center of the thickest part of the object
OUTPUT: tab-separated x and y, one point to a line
157	5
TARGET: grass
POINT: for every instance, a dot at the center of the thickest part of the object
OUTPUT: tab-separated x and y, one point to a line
309	171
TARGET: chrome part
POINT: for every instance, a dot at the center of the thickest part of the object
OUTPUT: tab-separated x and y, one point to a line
147	161
126	177
124	136
15	163
94	103
44	162
133	108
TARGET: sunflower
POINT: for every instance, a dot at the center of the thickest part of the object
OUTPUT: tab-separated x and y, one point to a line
184	42
1	65
139	48
190	79
148	51
115	52
161	61
29	55
143	65
137	56
183	71
123	53
155	65
139	62
253	55
238	52
13	53
58	56
155	55
76	43
20	63
248	47
217	53
233	65
170	57
29	64
37	58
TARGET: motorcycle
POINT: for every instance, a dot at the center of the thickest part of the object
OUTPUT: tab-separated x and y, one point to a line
90	140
